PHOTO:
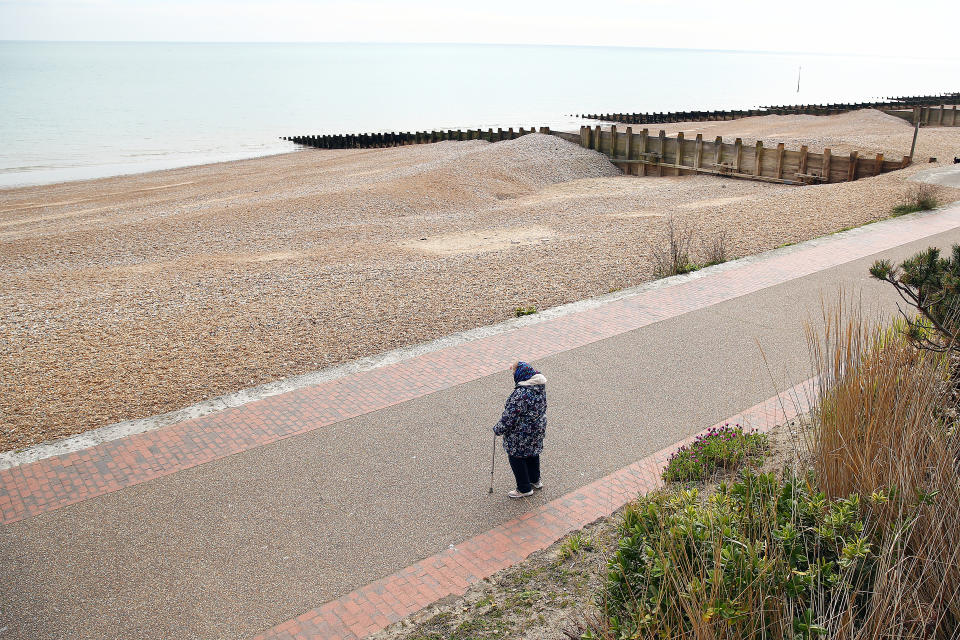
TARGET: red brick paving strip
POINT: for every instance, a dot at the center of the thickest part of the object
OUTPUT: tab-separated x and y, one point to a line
379	604
55	482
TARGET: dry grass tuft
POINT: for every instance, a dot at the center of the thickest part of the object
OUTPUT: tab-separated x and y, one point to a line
887	431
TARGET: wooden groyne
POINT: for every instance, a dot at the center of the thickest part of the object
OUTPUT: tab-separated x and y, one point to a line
643	154
892	104
939	116
381	140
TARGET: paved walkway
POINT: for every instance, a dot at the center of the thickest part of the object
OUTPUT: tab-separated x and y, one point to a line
948	176
231	524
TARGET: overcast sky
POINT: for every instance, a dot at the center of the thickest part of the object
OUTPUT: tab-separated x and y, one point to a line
836	26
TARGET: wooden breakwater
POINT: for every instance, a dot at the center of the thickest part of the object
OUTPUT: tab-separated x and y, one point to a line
381	140
892	104
645	155
939	116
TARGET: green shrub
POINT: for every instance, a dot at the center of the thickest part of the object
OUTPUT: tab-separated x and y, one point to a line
921	197
763	558
723	447
573	546
904	209
525	311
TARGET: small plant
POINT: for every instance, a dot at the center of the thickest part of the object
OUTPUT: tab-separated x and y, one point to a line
725	447
574	546
673	257
921	197
525	311
715	250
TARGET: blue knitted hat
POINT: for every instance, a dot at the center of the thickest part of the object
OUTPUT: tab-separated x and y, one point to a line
523	372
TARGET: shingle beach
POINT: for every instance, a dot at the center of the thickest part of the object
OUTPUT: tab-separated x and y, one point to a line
132	296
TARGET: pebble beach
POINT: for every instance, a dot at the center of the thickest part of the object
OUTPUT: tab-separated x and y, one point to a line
128	297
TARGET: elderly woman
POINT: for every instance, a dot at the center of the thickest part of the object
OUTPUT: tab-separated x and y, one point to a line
523	425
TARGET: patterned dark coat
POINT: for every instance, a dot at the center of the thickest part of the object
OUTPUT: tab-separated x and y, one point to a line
524	421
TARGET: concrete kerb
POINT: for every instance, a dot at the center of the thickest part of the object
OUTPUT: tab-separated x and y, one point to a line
94	437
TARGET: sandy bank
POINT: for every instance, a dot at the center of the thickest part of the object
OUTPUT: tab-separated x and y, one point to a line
131	296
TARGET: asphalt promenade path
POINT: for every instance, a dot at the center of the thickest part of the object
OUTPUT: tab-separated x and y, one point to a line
227	525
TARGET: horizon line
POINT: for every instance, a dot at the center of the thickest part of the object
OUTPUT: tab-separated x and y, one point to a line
483	44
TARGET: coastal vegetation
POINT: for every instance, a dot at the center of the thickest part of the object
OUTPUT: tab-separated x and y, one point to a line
920	197
726	447
857	537
671	252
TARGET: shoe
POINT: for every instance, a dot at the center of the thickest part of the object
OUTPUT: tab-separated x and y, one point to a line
537	485
517	494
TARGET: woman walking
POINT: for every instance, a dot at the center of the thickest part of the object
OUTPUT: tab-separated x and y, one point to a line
523	425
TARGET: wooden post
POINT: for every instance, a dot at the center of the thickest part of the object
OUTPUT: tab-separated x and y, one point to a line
759	156
916	130
629	149
698	152
953	118
596	138
738	161
826	165
499	134
510	134
679	160
779	161
803	159
613	141
879	167
718	158
940	111
644	140
585	136
852	171
663	152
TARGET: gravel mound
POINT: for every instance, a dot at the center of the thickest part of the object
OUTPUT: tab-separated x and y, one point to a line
537	160
456	176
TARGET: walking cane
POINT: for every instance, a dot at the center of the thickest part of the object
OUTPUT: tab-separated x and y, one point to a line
493	458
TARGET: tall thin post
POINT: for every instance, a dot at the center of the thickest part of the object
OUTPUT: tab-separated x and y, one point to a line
916	130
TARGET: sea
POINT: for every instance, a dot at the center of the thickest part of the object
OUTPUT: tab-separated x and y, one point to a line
81	110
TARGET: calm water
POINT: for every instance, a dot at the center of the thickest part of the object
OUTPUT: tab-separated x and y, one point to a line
80	110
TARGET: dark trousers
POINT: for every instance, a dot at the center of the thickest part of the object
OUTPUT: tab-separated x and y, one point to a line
526	471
